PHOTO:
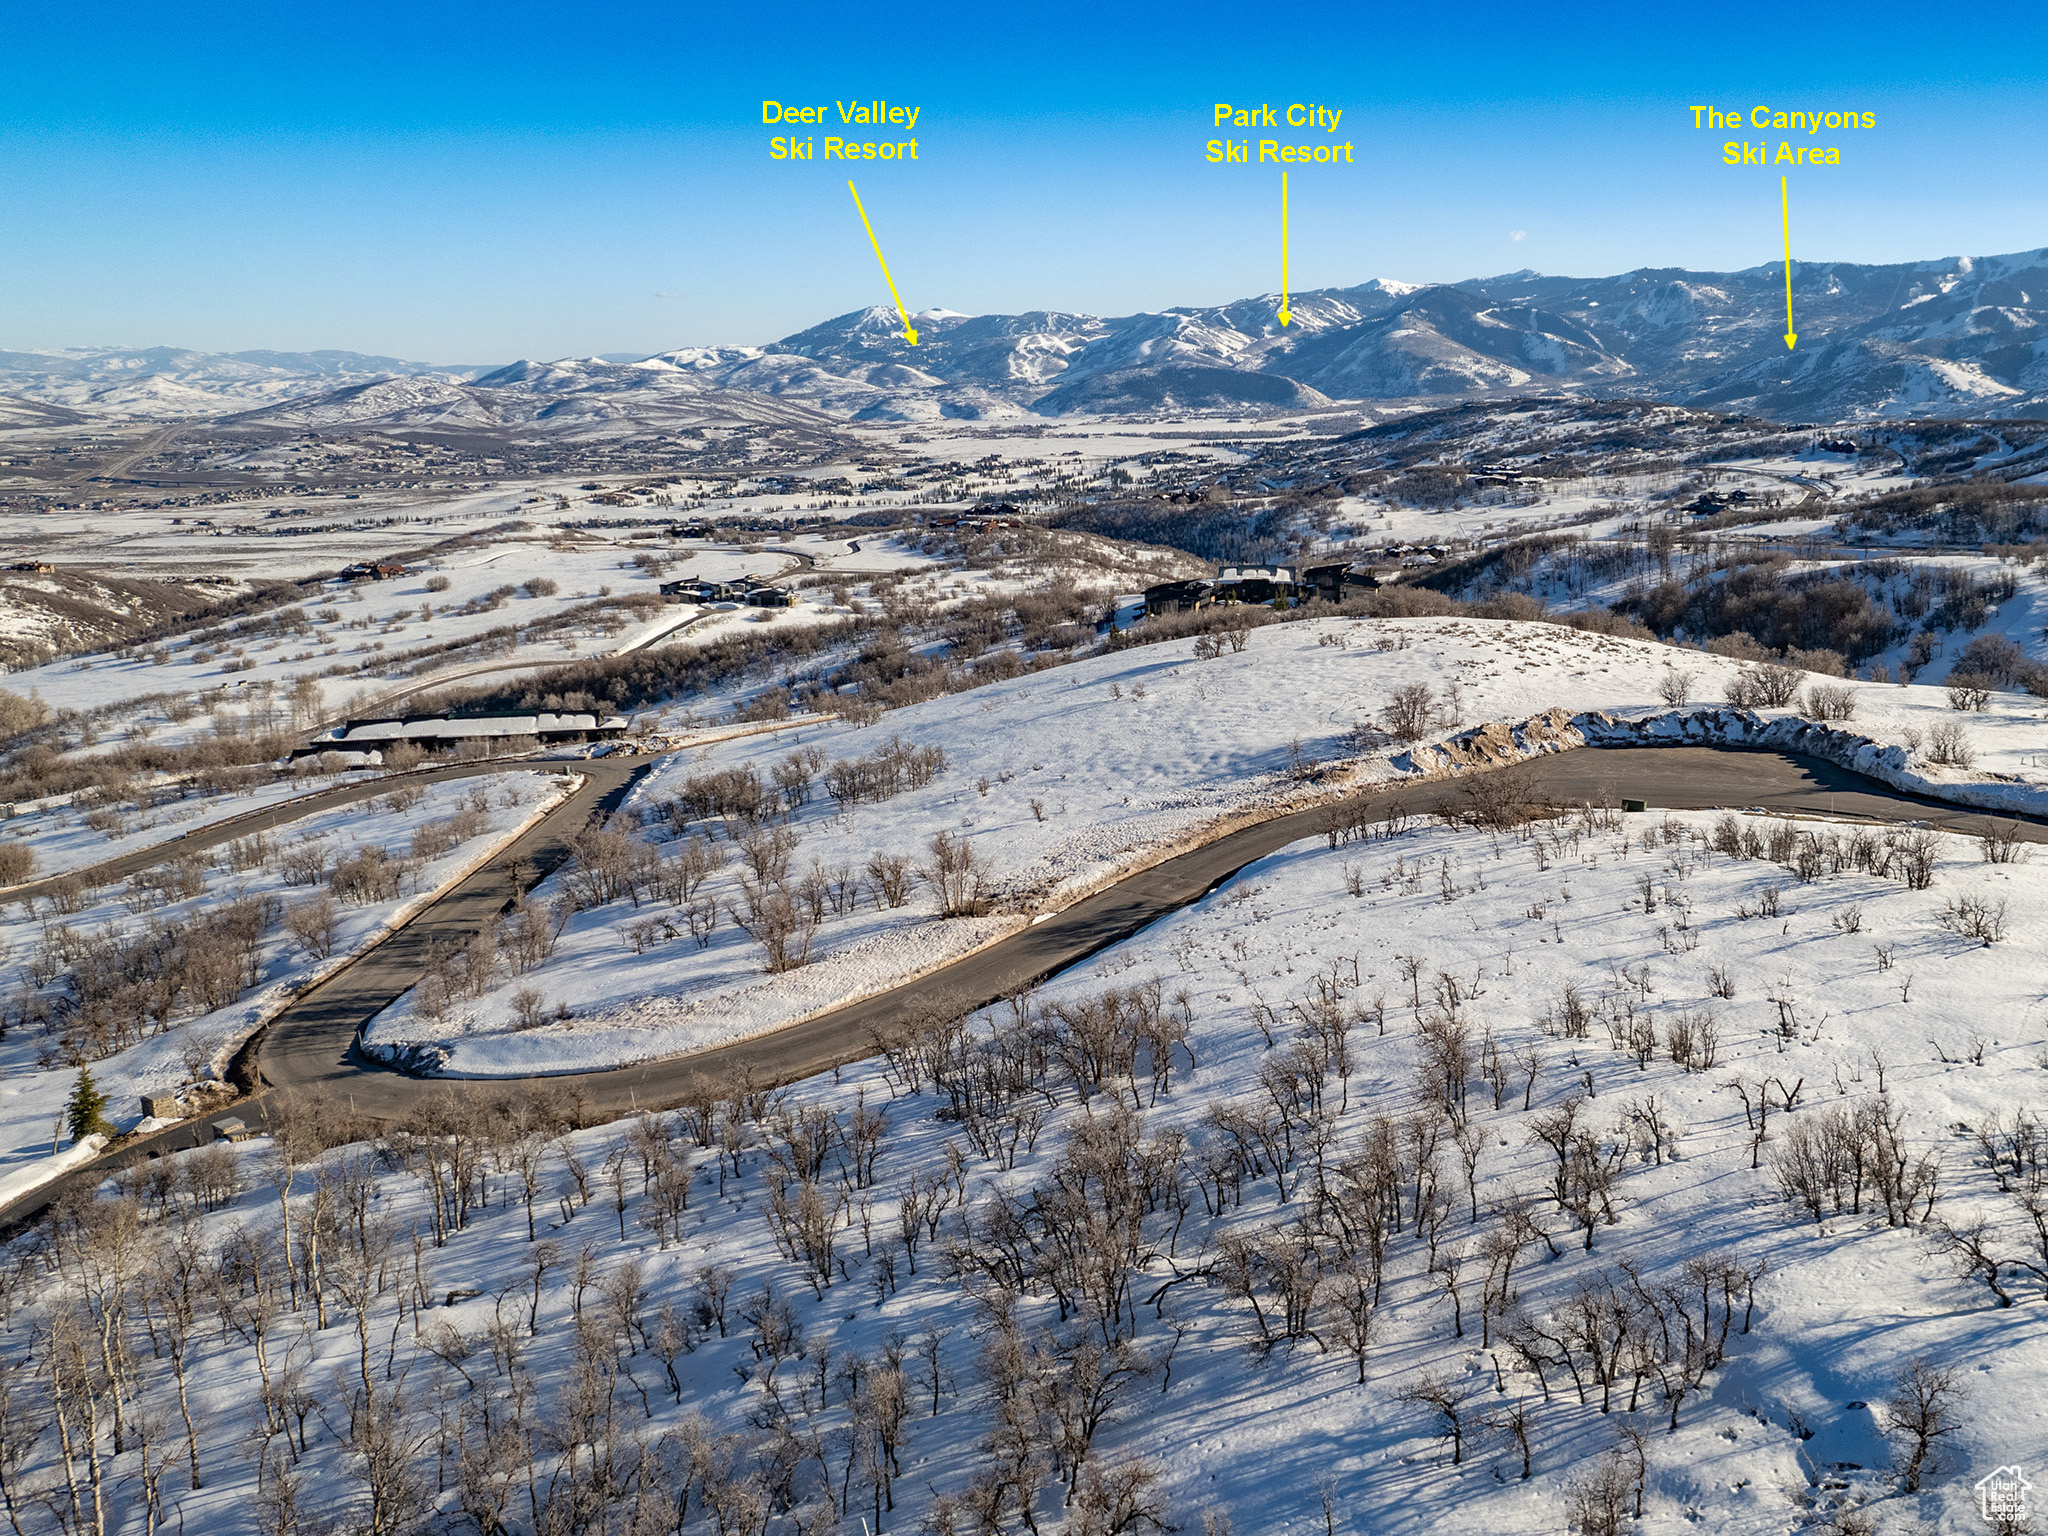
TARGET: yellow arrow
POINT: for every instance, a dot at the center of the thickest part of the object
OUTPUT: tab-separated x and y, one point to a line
1785	197
1285	314
909	331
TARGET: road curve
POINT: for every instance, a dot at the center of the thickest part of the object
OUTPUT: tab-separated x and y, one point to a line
310	1048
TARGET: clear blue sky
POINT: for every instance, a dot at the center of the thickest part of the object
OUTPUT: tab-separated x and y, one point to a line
473	183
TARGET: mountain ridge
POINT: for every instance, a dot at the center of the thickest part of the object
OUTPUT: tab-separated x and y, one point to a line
1946	336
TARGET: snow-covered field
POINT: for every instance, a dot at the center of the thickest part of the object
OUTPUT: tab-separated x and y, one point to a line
1602	502
1063	780
384	634
81	990
469	617
1215	1241
57	832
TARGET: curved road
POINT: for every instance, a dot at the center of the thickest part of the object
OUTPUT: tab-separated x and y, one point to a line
310	1048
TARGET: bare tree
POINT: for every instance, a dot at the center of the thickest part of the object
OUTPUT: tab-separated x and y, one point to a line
889	879
1515	1421
1919	1415
1409	711
313	922
1675	687
780	924
1949	744
1445	1399
1829	701
1969	692
1122	1500
957	875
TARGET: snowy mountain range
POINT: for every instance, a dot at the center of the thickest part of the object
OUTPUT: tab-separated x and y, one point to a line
173	381
1959	336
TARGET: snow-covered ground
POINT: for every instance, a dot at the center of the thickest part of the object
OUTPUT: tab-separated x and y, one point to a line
1600	503
1842	996
57	833
1063	780
384	634
395	638
38	1069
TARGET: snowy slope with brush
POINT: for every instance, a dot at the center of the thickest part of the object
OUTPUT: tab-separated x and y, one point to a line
1064	780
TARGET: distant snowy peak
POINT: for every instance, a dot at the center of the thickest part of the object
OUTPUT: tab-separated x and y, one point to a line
1954	335
1950	336
577	397
706	359
157	382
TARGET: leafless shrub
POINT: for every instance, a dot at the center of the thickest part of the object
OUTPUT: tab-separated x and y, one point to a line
1675	687
1832	1160
1969	692
1410	712
610	863
19	715
306	861
729	794
435	838
767	852
957	875
646	933
119	987
888	880
368	875
679	875
313	923
701	917
1694	1039
1829	701
2000	843
17	862
1597	1502
1914	856
794	775
1948	745
529	1008
1123	1499
1973	917
1570	1016
884	773
404	797
1768	686
1444	1398
778	922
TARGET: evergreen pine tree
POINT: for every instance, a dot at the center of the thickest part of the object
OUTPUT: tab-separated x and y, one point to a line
86	1112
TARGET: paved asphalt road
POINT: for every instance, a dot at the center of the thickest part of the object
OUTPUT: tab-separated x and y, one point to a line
310	1048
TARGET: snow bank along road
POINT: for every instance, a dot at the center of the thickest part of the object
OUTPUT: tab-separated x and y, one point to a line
310	1048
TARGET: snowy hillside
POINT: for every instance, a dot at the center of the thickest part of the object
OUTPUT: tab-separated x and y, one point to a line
1061	781
1458	1181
